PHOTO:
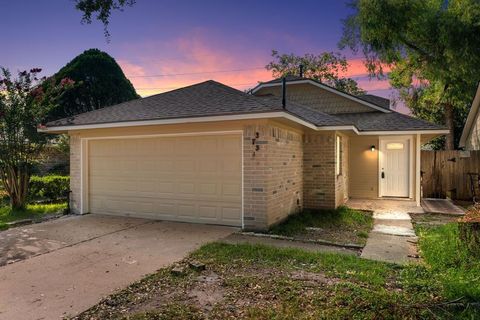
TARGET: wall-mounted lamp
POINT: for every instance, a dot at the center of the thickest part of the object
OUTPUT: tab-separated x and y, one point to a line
372	148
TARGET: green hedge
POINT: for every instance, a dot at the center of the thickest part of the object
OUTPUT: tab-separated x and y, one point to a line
52	187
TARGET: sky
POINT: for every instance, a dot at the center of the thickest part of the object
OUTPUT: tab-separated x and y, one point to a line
162	45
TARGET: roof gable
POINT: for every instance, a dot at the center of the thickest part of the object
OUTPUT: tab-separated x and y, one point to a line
345	102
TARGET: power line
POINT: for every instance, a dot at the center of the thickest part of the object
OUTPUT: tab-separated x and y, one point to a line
164	88
194	73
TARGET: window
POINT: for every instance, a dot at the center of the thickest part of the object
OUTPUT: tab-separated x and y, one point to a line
395	146
338	156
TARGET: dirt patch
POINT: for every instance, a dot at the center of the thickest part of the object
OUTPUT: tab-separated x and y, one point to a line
207	291
216	294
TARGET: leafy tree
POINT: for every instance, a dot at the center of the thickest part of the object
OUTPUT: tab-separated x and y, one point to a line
324	68
432	48
23	105
102	9
99	82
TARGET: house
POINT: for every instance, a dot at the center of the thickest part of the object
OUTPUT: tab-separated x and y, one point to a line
209	153
470	139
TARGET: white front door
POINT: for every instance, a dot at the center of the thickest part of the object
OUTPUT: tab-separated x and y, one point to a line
394	164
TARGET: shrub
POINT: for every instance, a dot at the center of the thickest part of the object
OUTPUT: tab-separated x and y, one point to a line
52	187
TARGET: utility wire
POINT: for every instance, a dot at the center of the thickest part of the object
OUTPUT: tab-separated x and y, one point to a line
228	84
194	73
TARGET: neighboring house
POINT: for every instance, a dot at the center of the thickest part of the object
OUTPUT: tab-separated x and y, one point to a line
470	139
209	153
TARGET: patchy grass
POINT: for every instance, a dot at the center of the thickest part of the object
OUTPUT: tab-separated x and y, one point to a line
32	211
343	225
449	261
260	282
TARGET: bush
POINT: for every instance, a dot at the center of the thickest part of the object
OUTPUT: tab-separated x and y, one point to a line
52	187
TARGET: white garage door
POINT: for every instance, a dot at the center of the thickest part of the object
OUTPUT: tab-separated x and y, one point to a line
182	178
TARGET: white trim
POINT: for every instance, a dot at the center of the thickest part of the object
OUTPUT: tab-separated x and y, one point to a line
263	115
324	87
387	133
243	177
84	201
417	170
472	114
251	116
411	159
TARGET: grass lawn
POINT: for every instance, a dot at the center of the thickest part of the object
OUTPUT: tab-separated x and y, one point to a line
343	225
32	211
260	282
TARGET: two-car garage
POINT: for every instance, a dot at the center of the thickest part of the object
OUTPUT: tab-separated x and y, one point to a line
191	178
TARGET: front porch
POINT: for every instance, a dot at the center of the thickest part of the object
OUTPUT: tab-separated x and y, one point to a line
386	168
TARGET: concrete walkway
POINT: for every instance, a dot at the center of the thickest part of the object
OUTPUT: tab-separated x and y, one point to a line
392	238
62	267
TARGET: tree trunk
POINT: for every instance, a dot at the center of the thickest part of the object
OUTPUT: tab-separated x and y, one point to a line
15	181
449	117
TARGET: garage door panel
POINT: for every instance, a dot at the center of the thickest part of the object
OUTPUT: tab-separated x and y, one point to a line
191	179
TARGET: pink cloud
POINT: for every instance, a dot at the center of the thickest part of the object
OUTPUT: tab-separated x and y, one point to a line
196	56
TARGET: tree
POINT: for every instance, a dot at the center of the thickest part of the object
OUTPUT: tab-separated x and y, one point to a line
99	82
432	48
103	9
23	105
324	68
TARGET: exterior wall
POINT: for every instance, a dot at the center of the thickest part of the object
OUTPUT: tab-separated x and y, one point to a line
473	139
363	163
342	180
273	181
315	97
319	170
363	167
75	172
273	169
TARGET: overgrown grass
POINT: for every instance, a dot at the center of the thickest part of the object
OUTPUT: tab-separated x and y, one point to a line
342	224
261	282
450	262
32	211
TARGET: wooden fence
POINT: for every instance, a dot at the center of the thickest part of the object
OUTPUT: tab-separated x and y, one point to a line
446	174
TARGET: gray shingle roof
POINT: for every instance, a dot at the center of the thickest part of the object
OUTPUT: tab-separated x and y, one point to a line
379	101
208	98
211	98
379	121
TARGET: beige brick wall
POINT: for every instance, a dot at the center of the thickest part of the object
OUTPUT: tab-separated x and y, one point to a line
315	97
273	169
319	170
75	172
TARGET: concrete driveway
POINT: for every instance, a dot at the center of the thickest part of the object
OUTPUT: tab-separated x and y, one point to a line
62	267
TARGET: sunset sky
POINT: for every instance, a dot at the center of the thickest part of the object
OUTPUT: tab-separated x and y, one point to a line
162	45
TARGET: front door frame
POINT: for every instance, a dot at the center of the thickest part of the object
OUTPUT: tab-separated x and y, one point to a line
411	161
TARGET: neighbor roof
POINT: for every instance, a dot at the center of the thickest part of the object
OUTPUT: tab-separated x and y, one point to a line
211	98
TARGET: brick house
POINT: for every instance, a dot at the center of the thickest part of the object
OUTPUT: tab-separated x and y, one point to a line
209	153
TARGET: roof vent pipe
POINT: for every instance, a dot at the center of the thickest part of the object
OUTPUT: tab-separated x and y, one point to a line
284	89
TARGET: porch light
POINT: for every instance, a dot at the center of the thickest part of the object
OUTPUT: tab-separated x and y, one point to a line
372	148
